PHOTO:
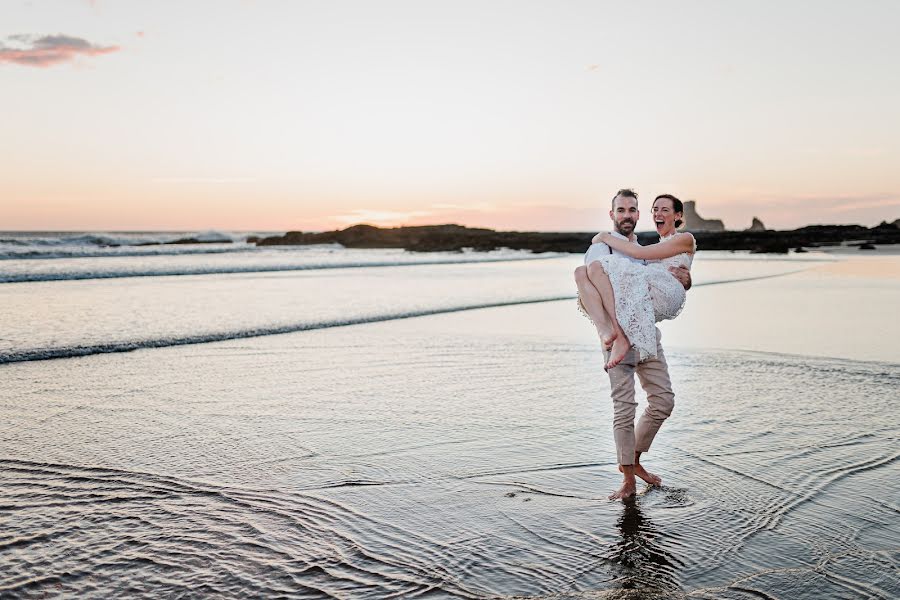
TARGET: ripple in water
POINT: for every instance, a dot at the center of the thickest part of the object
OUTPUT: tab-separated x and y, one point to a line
483	476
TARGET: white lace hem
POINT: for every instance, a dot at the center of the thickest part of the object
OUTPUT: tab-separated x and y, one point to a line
634	304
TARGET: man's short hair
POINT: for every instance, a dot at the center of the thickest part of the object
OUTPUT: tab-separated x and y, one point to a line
625	193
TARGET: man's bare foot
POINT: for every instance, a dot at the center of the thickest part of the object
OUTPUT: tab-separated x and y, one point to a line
640	471
617	353
628	488
625	492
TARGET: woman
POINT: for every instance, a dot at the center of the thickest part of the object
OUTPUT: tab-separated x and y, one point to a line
625	299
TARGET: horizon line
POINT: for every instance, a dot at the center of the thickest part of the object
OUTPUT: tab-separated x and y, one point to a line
213	229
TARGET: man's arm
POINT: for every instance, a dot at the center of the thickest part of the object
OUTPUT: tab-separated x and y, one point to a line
683	275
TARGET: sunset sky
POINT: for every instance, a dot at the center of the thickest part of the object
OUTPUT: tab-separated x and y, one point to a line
240	115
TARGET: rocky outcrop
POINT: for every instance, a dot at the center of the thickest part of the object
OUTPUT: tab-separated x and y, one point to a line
811	236
433	238
757	225
193	240
694	222
190	240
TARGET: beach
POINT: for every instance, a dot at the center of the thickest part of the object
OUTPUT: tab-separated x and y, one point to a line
426	430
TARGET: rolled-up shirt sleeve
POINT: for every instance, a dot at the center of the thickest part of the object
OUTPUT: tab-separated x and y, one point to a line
596	251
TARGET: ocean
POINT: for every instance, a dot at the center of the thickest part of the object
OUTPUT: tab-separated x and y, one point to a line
218	419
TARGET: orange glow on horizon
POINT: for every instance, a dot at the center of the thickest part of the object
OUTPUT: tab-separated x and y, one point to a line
326	115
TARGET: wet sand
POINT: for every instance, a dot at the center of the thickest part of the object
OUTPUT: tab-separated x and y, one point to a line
465	455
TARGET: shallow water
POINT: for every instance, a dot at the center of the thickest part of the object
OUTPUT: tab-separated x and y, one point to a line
252	294
416	460
845	309
455	455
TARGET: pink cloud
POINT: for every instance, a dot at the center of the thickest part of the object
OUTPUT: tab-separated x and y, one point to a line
46	51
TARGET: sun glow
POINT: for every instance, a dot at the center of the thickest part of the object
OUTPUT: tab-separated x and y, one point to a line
526	116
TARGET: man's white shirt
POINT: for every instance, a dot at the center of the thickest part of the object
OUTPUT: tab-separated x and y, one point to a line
601	249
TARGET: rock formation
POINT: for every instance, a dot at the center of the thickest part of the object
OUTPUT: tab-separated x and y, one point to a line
694	222
757	225
433	238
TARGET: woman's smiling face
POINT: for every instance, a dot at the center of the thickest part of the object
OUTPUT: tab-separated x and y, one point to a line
664	216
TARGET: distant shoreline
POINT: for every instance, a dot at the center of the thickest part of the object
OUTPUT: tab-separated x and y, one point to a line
444	238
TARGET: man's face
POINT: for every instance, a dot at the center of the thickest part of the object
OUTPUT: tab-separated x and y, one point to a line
624	215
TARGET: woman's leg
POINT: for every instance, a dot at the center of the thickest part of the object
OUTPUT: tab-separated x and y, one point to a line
598	277
592	303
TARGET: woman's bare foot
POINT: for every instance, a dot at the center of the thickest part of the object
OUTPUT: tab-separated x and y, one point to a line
618	351
640	471
607	337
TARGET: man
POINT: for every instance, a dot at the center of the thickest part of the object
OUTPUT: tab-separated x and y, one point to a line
652	372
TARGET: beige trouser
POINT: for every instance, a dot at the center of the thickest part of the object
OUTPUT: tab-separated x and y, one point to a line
654	376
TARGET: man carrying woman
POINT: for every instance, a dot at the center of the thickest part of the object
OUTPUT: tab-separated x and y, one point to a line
624	288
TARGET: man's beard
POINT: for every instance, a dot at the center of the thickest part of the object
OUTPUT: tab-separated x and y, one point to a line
625	227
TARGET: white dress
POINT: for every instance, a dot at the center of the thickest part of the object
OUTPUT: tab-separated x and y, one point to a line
645	295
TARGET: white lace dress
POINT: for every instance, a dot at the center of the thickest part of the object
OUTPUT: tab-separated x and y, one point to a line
645	295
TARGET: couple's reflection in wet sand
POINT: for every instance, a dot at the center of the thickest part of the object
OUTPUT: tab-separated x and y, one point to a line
642	567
